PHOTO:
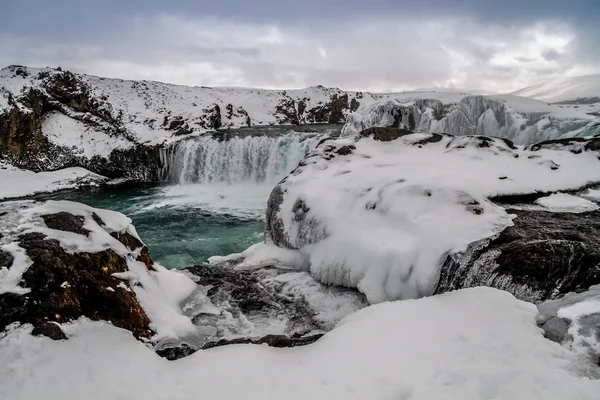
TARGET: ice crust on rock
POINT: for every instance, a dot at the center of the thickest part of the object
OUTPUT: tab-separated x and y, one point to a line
381	216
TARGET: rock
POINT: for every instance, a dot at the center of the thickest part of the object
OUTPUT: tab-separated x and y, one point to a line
269	340
175	353
385	134
244	295
65	221
49	329
64	286
6	259
544	255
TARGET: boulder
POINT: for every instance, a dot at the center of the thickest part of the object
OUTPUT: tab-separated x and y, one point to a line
64	285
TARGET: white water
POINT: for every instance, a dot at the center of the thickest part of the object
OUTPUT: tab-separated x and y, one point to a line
253	159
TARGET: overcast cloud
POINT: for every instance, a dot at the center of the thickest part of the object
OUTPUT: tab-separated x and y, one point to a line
379	45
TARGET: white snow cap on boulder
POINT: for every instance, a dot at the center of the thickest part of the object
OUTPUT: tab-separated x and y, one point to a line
381	215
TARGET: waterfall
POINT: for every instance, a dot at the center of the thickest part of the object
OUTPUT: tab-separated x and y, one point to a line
240	159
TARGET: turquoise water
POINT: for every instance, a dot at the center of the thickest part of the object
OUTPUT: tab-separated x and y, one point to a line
184	224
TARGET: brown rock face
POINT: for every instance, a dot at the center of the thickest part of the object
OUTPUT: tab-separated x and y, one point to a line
65	286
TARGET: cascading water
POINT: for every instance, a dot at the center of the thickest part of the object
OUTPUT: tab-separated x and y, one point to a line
257	159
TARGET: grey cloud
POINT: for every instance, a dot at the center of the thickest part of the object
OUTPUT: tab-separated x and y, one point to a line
551	55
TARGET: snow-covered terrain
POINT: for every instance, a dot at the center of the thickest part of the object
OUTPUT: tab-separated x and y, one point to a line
16	182
471	344
520	119
580	89
381	215
86	118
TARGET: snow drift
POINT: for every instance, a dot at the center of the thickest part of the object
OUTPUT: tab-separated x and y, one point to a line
476	343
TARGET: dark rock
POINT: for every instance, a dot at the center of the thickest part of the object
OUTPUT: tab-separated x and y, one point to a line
12	307
544	255
65	286
64	221
6	259
175	353
345	150
572	144
49	329
269	340
385	134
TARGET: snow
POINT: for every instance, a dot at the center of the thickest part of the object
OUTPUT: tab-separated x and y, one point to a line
65	131
144	109
522	120
564	89
11	277
161	292
18	182
261	255
562	202
471	344
382	218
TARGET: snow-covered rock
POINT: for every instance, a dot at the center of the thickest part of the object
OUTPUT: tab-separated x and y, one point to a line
544	255
68	260
470	344
380	212
522	120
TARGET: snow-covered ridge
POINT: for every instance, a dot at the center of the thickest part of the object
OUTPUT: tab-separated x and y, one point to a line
53	118
380	216
520	119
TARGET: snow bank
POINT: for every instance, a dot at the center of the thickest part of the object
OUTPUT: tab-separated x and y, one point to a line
19	182
471	344
382	218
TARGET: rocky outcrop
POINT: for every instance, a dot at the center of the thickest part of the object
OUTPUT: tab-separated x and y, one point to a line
24	143
543	256
107	113
62	285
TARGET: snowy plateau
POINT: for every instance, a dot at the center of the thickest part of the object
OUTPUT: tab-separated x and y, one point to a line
417	245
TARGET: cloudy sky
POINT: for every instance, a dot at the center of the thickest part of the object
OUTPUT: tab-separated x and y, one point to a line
379	45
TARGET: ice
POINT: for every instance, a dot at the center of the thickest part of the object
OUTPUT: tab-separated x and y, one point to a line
563	202
471	344
382	218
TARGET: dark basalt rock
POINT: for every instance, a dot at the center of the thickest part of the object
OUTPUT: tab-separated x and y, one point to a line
385	134
590	144
175	353
65	221
6	259
49	329
269	340
295	340
65	286
544	255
